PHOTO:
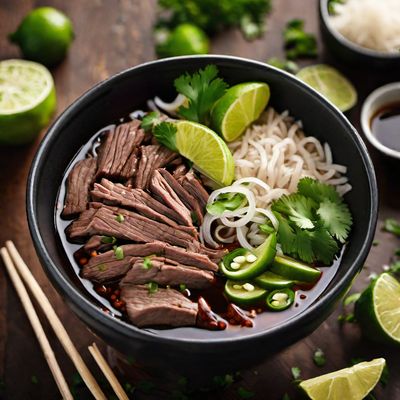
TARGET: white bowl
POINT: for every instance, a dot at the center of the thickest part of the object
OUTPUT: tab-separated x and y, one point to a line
380	97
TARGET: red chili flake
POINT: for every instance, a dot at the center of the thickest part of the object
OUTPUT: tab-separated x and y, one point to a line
93	253
113	297
303	296
83	261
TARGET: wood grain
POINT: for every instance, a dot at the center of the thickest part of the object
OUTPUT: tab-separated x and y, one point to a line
112	35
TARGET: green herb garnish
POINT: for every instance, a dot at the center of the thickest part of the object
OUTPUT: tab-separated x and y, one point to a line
182	287
286	65
375	243
392	226
108	239
312	222
202	89
119	218
223	380
265	228
352	298
244	393
213	16
149	120
298	43
228	201
332	4
296	373
395	267
165	133
319	358
119	252
147	263
152	287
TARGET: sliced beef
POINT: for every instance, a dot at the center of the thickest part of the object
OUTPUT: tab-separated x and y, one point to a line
195	188
164	271
105	268
187	199
95	243
164	192
119	195
152	157
214	255
119	150
163	307
126	225
78	185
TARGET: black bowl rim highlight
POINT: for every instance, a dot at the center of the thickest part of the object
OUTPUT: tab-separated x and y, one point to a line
127	330
323	6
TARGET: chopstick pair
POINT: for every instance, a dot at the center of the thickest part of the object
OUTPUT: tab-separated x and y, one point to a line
17	269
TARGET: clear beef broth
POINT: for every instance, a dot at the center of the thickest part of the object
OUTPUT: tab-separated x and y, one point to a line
214	296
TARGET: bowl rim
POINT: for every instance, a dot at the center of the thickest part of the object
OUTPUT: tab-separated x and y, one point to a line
323	7
367	112
78	301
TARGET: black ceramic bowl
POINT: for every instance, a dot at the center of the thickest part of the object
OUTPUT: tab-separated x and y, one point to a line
350	52
129	90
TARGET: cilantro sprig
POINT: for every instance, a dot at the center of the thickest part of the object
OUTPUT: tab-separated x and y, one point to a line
202	89
298	43
312	222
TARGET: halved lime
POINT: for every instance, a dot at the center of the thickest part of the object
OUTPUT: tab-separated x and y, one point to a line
240	106
349	383
208	152
27	100
330	83
378	310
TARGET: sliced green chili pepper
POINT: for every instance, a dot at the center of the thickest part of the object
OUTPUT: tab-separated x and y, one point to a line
280	300
241	264
295	270
244	293
270	281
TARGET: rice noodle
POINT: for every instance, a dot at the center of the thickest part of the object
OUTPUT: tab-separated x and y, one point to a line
374	24
170	107
270	159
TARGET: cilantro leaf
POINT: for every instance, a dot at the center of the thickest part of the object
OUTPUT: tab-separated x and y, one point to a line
286	65
298	208
299	43
296	373
392	226
336	218
165	133
318	191
319	358
149	120
202	89
324	245
286	236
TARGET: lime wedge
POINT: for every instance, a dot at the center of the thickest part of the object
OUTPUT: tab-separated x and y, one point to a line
378	310
208	152
349	383
27	100
240	106
330	83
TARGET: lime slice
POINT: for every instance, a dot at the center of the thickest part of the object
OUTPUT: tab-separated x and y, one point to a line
208	152
330	83
27	100
349	383
240	106
378	310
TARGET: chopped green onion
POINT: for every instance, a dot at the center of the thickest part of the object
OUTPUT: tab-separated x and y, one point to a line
296	373
153	287
147	263
182	287
108	239
319	358
119	218
375	243
119	252
266	228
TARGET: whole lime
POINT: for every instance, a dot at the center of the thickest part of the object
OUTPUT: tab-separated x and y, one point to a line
185	39
44	35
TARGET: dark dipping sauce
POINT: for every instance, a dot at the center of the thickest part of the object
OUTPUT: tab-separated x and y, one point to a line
385	125
102	295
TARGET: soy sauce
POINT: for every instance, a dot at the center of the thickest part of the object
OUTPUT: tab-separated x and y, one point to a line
385	125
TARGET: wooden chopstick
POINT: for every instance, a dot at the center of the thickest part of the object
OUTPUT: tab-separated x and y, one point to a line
55	322
36	325
108	373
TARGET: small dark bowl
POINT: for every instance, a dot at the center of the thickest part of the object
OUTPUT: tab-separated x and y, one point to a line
129	90
349	52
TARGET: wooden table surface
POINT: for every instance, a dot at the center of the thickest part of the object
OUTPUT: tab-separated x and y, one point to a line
112	35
